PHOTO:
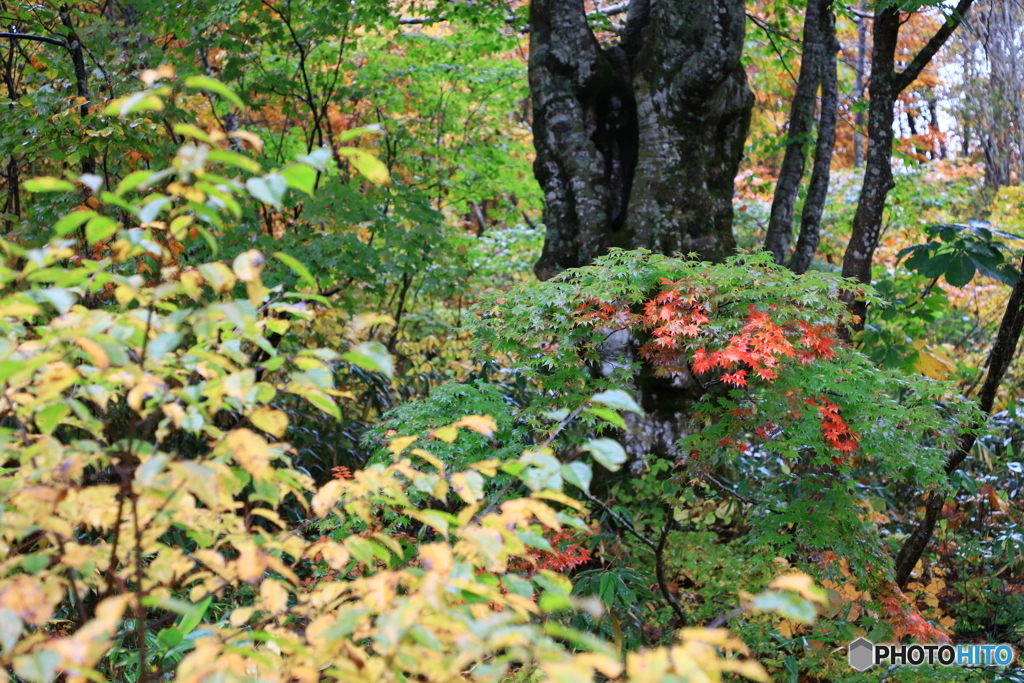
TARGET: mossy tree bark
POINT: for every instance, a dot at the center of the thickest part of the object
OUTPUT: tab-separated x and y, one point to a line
638	143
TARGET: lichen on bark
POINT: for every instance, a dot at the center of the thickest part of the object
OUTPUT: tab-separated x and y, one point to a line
638	143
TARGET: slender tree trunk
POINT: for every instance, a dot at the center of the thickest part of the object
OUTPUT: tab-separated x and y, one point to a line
74	47
13	203
858	88
886	85
817	190
638	144
999	359
813	62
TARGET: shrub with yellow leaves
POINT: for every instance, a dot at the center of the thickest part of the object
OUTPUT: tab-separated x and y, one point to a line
148	496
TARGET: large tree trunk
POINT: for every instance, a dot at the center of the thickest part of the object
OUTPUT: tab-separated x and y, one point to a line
638	144
886	85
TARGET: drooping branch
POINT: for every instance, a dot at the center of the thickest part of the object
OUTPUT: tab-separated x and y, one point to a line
999	360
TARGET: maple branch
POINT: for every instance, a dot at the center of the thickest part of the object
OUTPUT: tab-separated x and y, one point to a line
908	75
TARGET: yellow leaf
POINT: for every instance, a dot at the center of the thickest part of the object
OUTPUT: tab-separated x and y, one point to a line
109	612
430	458
95	352
274	596
446	434
248	265
933	362
488	468
482	424
367	164
802	584
251	451
55	379
251	564
273	422
469	486
241	616
175	412
327	497
400	443
335	555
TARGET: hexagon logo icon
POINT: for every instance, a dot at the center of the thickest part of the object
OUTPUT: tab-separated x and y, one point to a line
861	654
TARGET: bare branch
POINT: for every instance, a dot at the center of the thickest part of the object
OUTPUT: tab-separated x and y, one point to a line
38	39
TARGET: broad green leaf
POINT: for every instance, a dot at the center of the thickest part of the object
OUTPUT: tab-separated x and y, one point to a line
48	184
10	629
269	189
318	158
170	637
617	399
608	452
38	667
370	166
352	133
236	159
578	474
134	181
72	221
152	209
187	129
960	270
297	267
195	616
609	416
214	86
786	604
372	356
301	177
99	229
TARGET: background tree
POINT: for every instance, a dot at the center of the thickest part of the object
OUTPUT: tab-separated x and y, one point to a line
887	82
